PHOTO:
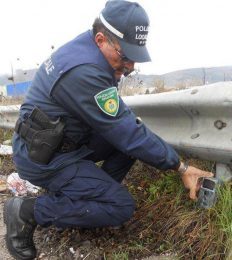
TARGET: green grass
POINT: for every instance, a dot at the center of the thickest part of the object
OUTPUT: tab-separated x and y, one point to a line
168	183
223	212
208	232
120	256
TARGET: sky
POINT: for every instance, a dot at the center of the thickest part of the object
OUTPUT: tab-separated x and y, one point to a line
183	33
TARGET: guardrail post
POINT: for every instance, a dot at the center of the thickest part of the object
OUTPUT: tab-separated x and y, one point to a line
223	172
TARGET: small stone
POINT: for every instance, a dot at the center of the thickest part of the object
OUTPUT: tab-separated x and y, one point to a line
72	250
41	255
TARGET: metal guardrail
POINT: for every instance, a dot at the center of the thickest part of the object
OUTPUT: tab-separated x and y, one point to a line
8	116
196	121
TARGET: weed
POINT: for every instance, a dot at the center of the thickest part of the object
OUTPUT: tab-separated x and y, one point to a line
169	183
223	212
120	256
136	246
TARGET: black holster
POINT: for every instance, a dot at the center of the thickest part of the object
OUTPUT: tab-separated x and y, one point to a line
43	136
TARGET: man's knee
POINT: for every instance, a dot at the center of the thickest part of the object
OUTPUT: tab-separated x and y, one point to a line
123	209
125	213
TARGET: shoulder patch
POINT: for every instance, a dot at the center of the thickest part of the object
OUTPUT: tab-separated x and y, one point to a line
108	101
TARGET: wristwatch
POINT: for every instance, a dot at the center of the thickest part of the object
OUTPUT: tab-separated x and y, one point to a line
183	168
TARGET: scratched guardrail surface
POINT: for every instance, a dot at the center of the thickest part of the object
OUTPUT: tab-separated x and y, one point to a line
196	121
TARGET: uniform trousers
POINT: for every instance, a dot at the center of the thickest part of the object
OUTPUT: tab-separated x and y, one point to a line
85	195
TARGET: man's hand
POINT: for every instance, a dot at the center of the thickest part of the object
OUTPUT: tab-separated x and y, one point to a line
190	179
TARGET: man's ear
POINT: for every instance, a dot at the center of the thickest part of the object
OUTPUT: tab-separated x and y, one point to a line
100	39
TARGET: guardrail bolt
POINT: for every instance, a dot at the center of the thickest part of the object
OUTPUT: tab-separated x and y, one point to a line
219	124
195	136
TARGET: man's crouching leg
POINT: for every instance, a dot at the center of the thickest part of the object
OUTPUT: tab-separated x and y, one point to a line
20	224
84	196
112	206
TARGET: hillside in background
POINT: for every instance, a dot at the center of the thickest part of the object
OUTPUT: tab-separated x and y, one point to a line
176	80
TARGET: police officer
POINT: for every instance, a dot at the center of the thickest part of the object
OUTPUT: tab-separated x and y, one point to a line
73	117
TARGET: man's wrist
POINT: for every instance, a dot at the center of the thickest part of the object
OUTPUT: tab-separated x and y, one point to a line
183	168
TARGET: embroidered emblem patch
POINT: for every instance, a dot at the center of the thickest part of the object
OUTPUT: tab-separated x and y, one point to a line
108	101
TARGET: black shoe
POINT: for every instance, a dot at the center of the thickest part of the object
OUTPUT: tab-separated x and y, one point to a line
19	235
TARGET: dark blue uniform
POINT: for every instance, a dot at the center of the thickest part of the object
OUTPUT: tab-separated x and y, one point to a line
80	193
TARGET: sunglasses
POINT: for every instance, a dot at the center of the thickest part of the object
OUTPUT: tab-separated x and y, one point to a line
122	56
